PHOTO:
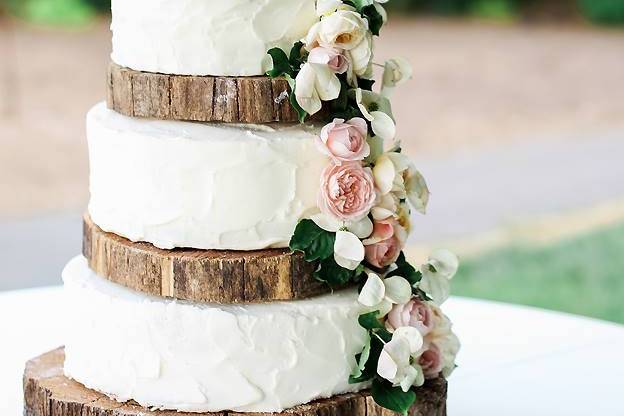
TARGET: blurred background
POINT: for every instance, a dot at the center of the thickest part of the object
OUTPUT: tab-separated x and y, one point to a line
515	114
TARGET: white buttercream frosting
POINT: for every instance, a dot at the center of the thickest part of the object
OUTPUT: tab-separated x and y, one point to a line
206	186
206	37
185	356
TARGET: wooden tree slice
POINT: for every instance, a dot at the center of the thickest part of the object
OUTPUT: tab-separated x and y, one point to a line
257	99
221	276
47	392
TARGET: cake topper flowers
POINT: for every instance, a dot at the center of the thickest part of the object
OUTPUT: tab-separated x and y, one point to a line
366	195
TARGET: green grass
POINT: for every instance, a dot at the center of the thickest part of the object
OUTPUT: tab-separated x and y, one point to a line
583	275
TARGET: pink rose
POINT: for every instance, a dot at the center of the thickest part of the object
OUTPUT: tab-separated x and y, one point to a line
414	313
347	191
344	141
431	361
383	253
331	57
385	244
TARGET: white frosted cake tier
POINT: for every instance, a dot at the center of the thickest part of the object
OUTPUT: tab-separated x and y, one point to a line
201	37
170	354
205	186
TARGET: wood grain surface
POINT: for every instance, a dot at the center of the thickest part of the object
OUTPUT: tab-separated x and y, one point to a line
257	99
47	392
221	276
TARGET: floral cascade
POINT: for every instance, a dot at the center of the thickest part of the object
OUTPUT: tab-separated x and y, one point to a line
365	198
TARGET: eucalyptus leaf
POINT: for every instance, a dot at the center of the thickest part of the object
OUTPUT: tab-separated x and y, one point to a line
392	398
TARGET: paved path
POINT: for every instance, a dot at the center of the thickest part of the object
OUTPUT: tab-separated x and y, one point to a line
472	194
478	192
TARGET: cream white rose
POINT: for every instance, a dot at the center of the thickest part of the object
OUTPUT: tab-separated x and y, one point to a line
361	59
394	172
344	29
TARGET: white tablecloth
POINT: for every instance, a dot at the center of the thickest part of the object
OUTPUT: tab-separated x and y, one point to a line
515	360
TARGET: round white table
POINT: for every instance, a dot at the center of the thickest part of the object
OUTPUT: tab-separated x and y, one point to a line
514	361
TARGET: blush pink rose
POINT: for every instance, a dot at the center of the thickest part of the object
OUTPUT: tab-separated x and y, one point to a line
332	57
383	253
414	313
431	361
347	191
384	245
344	141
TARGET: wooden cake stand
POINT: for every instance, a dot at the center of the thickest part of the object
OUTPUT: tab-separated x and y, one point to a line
47	392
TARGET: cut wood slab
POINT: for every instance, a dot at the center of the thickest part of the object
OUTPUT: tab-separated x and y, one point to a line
47	392
258	99
221	276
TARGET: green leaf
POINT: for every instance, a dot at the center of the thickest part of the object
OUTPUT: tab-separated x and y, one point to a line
358	4
301	113
281	65
368	361
361	359
295	57
392	398
375	20
370	320
406	270
322	247
330	272
305	234
366	84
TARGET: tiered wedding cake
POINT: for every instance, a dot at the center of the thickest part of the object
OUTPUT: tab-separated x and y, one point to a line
235	260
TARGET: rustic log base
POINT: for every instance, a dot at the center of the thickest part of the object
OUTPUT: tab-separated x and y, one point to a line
258	99
47	392
220	276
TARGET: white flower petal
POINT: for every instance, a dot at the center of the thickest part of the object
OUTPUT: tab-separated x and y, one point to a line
398	289
383	125
324	7
348	250
327	83
387	368
363	228
411	377
382	12
305	92
373	291
360	95
412	336
417	190
384	174
327	222
436	286
445	262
